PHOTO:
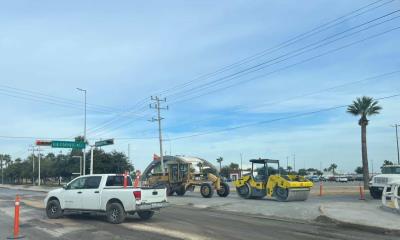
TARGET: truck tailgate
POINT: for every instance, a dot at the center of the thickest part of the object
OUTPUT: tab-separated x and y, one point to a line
153	195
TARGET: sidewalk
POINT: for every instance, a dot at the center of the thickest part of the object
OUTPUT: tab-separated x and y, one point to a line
370	214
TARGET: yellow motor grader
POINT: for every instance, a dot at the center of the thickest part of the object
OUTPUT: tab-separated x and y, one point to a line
179	178
265	181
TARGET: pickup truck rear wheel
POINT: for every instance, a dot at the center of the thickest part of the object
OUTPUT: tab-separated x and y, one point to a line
53	209
145	215
115	213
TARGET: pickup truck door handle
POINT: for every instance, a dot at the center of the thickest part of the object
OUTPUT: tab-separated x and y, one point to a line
96	191
79	192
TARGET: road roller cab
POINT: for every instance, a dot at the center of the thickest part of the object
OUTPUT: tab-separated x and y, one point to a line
264	180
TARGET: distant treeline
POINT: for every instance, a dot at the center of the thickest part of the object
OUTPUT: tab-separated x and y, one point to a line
54	168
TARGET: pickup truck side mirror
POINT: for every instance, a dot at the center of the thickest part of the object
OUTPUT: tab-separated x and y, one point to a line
65	186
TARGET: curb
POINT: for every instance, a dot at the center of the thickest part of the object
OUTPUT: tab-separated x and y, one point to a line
324	218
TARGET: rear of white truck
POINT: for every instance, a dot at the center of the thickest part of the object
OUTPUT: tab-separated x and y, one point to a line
117	202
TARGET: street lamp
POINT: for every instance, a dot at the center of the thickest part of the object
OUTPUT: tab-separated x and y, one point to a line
397	142
84	134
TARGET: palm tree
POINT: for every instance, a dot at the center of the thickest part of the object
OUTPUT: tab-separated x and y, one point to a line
219	160
332	168
363	107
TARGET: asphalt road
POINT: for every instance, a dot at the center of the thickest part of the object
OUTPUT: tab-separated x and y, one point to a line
174	222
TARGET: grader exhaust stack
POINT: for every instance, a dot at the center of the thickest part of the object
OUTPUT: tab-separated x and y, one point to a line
266	181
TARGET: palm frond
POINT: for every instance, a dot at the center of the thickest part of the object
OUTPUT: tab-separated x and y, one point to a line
364	106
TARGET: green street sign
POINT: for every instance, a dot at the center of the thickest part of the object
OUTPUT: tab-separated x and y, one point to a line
104	142
67	144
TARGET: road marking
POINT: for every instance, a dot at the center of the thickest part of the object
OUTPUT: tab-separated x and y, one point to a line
165	232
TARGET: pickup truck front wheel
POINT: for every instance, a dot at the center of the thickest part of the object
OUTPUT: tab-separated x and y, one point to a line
115	213
145	215
53	209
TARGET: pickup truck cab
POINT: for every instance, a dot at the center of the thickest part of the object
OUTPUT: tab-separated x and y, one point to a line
105	193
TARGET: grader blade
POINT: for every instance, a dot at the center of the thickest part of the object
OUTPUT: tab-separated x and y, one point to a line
297	194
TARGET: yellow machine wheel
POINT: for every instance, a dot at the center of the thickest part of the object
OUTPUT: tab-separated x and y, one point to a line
206	190
281	194
181	190
244	191
224	190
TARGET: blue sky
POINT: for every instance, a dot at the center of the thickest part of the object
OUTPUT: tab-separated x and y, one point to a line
123	52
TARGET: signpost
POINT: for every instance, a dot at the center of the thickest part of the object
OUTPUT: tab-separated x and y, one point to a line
98	144
68	144
104	143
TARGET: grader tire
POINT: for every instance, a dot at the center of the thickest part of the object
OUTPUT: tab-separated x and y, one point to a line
224	190
181	191
206	190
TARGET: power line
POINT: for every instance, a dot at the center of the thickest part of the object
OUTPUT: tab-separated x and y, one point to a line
273	120
293	40
292	65
238	108
290	55
54	98
289	42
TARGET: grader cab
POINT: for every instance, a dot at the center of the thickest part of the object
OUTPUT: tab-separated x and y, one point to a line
264	180
180	177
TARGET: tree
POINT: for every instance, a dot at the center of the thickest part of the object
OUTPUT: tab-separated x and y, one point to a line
358	170
289	168
219	160
302	172
332	168
386	163
364	107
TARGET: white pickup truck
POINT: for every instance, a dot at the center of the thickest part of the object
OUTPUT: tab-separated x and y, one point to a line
105	193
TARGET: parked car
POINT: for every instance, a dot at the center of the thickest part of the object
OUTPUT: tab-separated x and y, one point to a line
105	193
314	178
332	179
341	179
351	178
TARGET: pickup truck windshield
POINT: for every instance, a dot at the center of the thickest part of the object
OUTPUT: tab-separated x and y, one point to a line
391	170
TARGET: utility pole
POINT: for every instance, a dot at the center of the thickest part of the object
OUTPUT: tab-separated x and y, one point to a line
294	162
39	150
157	105
287	162
397	141
2	179
129	154
84	134
241	165
33	164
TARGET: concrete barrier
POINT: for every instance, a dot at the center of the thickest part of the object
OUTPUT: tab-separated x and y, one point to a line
390	195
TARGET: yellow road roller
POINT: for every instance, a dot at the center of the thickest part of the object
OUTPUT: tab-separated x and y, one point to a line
264	180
